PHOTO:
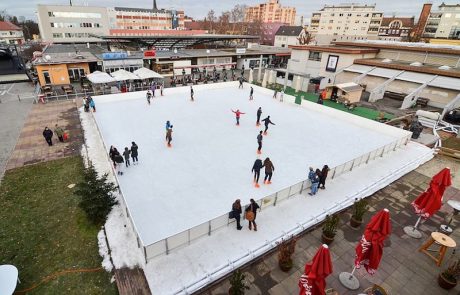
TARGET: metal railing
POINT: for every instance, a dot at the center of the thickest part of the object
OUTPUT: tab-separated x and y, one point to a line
181	239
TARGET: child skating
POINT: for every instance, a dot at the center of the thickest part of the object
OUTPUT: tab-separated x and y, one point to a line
259	142
237	115
169	135
266	122
259	113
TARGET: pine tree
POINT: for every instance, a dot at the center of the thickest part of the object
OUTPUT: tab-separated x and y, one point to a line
96	194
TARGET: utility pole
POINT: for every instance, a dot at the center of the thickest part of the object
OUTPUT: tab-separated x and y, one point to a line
70	2
155	5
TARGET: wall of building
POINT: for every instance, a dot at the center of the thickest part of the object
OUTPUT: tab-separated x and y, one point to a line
285	41
11	37
270	12
64	24
58	73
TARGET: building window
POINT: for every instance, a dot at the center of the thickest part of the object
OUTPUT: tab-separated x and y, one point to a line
57	35
314	55
331	21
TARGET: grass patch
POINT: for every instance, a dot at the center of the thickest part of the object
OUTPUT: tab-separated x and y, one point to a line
43	230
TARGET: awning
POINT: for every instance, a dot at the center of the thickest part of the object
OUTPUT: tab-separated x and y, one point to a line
349	87
358	69
144	73
384	73
415	77
123	75
446	82
98	77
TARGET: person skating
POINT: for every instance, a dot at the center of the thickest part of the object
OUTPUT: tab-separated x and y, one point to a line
191	93
322	180
149	96
275	93
162	85
282	96
48	135
237	116
59	132
256	170
269	168
241	82
168	125
126	154
112	153
314	179
251	213
134	152
266	122
251	94
154	87
92	104
259	142
236	213
169	135
259	113
119	164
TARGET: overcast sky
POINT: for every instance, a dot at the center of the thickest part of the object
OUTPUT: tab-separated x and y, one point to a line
199	8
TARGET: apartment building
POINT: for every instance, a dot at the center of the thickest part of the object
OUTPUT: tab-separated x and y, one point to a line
345	22
396	28
270	12
80	24
10	34
68	24
444	23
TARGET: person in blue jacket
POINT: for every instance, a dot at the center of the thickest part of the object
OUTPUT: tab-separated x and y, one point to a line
92	104
167	126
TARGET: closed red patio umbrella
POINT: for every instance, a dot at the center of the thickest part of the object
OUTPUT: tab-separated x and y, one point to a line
369	250
313	281
430	201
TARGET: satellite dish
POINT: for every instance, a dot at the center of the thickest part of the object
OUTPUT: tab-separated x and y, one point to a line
47	57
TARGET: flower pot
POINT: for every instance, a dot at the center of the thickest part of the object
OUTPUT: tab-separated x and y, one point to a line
445	283
285	265
326	240
355	223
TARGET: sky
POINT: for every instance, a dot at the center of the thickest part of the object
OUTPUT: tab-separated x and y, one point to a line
199	8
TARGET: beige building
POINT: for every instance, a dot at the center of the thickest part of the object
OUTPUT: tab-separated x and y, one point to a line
444	23
345	22
270	12
68	24
10	34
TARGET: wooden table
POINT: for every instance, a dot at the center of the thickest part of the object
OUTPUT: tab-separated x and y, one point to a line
443	241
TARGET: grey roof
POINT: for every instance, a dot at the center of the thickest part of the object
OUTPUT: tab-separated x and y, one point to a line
65	57
189	53
289	31
130	9
73	48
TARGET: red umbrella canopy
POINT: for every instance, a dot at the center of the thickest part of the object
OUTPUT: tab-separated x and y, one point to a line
430	201
312	282
369	251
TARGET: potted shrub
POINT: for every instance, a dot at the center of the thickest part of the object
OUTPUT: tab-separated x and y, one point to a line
359	209
237	283
448	278
285	250
330	228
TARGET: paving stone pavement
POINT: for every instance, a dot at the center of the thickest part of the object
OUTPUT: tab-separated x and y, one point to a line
32	148
403	270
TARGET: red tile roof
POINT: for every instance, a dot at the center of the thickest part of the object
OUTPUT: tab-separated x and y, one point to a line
405	21
7	26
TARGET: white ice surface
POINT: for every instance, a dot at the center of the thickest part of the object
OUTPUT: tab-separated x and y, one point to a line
190	268
209	166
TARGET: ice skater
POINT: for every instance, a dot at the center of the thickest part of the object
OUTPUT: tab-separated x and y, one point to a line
251	212
241	82
169	135
259	113
126	154
92	104
275	93
112	153
149	96
168	125
251	94
259	142
314	179
256	170
162	85
191	93
266	122
236	213
134	153
237	116
269	168
282	96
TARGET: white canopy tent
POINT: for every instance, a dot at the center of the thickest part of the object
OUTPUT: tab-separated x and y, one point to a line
98	77
123	75
144	73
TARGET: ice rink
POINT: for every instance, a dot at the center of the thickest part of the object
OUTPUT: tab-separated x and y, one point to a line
209	164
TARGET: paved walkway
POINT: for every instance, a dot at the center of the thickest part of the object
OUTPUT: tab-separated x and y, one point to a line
403	269
32	148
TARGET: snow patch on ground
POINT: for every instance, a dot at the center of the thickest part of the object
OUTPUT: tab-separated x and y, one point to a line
104	251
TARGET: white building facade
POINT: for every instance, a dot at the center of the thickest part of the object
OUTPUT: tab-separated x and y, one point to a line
444	23
345	22
289	35
10	34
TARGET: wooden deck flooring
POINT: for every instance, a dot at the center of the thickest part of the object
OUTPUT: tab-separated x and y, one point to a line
132	282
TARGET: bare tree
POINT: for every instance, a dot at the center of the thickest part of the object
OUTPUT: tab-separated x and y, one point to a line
210	20
237	18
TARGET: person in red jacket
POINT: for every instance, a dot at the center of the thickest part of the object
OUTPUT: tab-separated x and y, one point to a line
237	115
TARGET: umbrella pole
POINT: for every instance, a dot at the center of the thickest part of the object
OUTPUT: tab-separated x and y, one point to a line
412	231
349	280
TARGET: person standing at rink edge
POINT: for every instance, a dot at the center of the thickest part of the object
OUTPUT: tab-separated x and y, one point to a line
251	213
236	213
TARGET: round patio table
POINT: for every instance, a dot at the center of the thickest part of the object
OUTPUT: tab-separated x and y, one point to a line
8	279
